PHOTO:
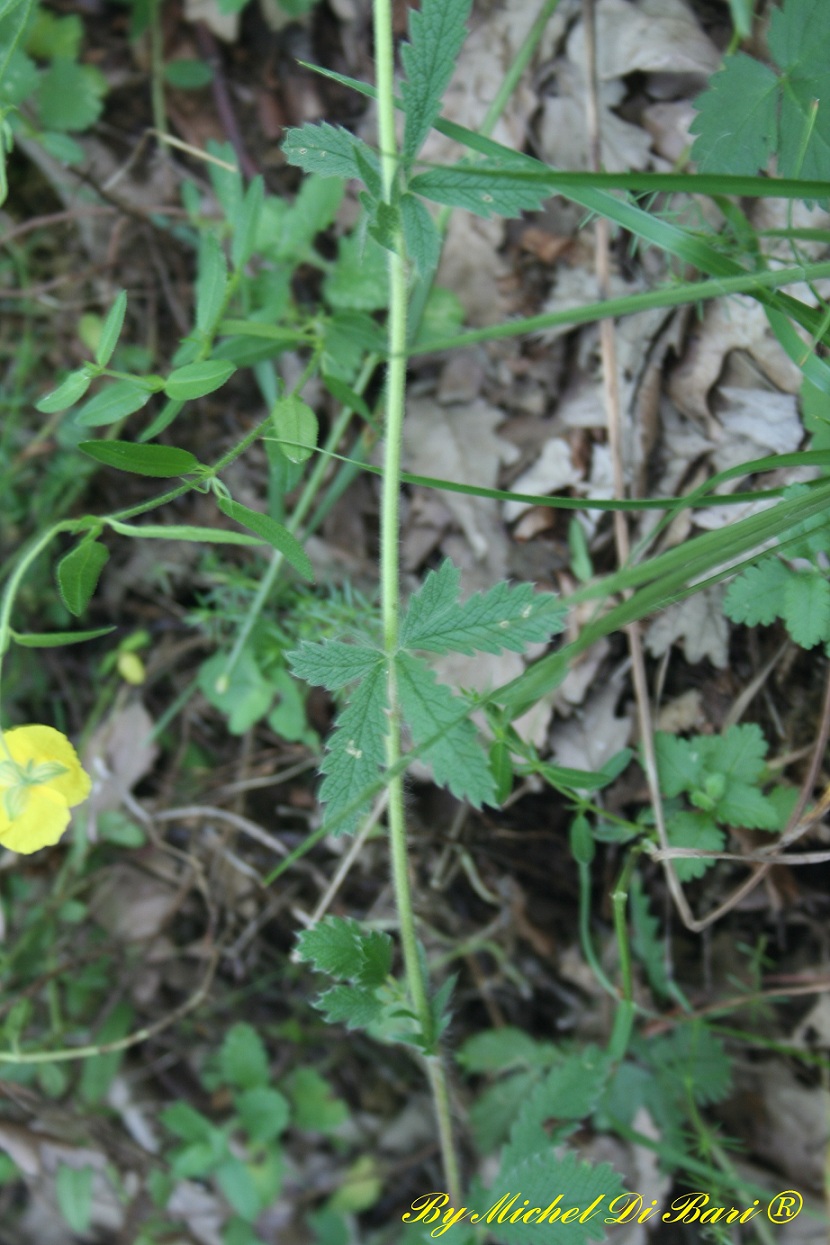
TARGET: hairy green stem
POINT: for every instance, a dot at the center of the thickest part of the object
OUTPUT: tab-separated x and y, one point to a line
390	589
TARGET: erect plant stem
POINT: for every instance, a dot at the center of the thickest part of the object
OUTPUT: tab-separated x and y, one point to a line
390	588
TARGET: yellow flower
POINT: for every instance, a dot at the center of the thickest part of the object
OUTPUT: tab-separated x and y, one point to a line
41	778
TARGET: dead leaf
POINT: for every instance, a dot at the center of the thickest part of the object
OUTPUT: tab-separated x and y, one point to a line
117	756
460	443
698	623
595	733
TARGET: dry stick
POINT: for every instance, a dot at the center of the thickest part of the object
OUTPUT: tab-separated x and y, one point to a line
608	351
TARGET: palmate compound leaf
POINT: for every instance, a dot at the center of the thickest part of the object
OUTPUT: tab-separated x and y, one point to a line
504	617
457	759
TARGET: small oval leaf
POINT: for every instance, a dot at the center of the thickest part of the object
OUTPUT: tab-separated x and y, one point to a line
194	380
113	403
111	330
161	461
269	529
296	427
70	391
78	574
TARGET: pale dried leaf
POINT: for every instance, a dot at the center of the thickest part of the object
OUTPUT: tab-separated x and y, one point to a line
698	624
594	734
552	472
460	443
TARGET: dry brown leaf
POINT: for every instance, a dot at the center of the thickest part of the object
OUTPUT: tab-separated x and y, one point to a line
698	624
739	324
460	443
594	734
117	756
552	472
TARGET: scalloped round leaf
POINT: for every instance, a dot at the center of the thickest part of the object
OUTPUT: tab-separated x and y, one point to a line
70	96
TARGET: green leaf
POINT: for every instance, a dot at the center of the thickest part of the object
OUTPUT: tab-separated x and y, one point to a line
188	74
487	188
646	942
246	225
504	617
263	1112
73	1187
423	241
744	805
358	279
558	1183
356	749
70	96
312	211
195	380
57	639
244	696
116	401
458	759
186	1122
692	1058
111	329
351	1006
316	1108
806	608
340	947
237	1184
295	425
211	284
78	574
277	536
569	1091
496	1050
332	664
243	1060
737	121
182	531
326	149
739	752
679	763
160	461
436	34
68	392
755	595
347	397
347	337
696	830
50	36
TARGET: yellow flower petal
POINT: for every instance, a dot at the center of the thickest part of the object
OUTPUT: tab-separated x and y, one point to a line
41	823
41	745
